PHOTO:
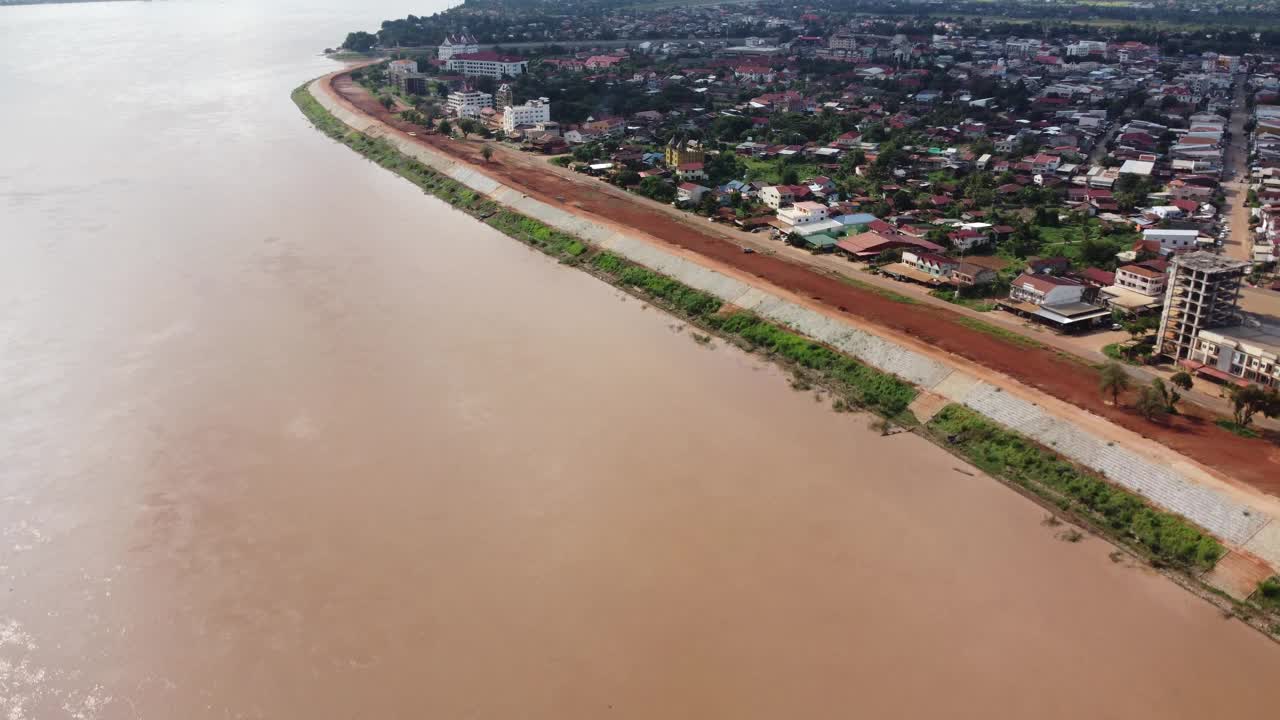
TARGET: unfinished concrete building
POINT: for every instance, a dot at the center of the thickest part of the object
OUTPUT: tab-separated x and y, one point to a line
1202	294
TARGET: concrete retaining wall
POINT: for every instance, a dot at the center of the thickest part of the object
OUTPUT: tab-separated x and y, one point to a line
1209	508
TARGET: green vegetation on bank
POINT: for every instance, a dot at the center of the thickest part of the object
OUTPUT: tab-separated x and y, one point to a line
859	385
1268	594
1233	427
543	237
1125	516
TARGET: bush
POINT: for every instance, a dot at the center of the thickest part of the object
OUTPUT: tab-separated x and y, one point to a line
691	303
869	386
1006	454
1268	594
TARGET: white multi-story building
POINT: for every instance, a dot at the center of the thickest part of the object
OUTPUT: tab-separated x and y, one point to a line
458	45
487	64
1142	279
468	102
1086	47
842	41
1172	239
804	213
530	113
397	68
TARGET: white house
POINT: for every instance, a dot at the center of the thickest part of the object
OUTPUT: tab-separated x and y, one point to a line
400	68
487	64
804	213
1172	239
775	196
1044	164
468	102
533	112
690	192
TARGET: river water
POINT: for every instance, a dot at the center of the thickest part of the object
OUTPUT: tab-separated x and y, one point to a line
282	438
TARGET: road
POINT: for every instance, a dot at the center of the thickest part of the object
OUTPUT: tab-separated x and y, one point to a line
1238	244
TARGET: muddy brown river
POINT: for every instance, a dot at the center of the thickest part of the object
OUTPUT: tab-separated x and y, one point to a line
280	437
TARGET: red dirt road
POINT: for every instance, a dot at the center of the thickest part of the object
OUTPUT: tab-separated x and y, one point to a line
1255	462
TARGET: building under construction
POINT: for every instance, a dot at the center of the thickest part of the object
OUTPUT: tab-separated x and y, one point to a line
1202	294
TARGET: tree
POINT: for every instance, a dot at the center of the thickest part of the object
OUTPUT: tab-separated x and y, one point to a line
1250	400
1168	396
1181	379
1113	379
467	126
790	177
360	41
1150	404
486	152
1096	252
445	128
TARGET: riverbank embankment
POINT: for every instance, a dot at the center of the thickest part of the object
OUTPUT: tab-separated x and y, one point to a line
1173	488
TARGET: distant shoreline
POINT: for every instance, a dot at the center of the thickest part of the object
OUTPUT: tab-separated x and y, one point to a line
15	3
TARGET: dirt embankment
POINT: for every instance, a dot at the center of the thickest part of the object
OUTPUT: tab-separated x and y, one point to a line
1255	462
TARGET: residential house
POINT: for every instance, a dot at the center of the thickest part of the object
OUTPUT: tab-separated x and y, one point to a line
1059	302
688	192
691	171
867	245
776	196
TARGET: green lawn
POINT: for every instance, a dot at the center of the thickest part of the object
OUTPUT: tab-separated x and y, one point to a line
770	171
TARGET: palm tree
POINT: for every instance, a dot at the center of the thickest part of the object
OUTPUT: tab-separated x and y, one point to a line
1113	379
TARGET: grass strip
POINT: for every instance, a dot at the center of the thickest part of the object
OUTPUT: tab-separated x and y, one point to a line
1114	511
1232	426
996	331
859	385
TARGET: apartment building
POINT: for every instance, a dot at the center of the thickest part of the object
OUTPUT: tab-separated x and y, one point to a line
1203	291
468	102
528	114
